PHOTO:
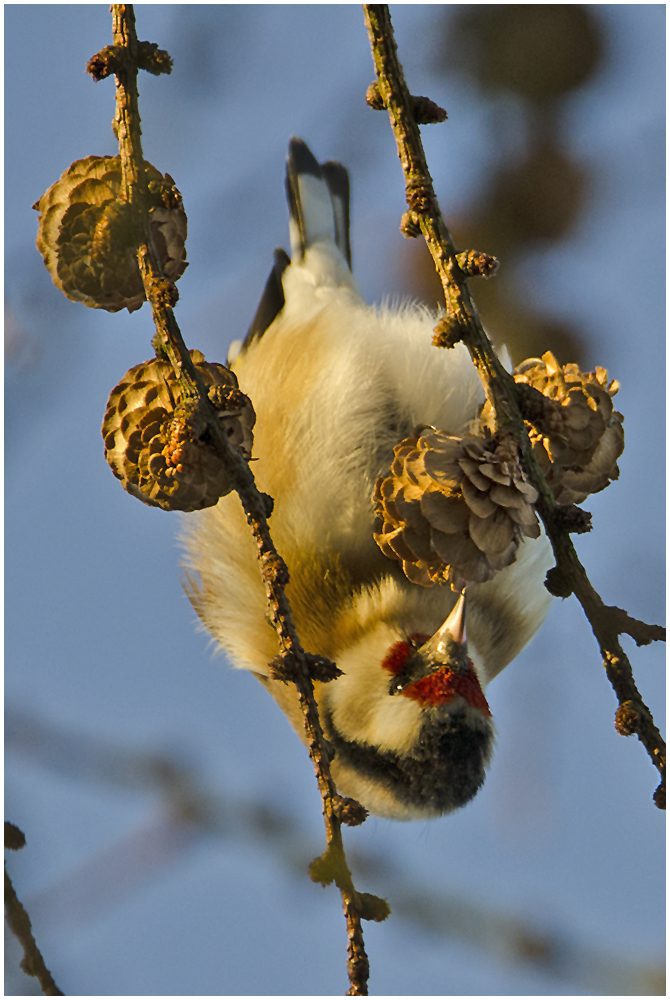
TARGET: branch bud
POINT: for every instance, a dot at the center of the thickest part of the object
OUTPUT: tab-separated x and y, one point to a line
409	225
268	503
106	62
573	519
166	293
322	669
557	583
152	59
447	332
659	796
372	907
374	98
15	838
276	569
427	112
284	668
419	196
626	719
351	812
539	410
474	263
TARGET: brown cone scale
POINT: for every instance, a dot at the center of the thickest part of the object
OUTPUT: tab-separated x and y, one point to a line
88	238
156	448
453	510
579	452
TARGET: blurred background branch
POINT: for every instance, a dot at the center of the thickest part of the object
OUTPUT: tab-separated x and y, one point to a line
525	61
183	809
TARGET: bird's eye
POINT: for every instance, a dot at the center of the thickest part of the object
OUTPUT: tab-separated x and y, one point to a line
398	687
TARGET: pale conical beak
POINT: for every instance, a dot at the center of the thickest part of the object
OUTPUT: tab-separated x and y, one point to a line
448	646
452	631
440	673
446	649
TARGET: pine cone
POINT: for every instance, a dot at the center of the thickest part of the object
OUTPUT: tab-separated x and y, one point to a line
154	442
578	451
453	509
88	234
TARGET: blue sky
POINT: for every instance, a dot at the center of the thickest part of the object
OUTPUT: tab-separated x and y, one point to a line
100	641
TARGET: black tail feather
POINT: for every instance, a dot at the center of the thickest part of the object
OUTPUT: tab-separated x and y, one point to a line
301	163
337	179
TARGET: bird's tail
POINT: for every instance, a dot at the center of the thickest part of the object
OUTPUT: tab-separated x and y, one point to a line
318	201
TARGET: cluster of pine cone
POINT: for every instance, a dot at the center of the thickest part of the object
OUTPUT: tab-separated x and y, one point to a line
455	510
579	436
156	442
157	446
88	235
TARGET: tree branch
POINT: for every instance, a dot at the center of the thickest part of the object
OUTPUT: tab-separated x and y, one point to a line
293	664
19	924
462	322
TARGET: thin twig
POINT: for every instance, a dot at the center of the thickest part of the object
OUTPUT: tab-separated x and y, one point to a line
295	664
18	922
642	633
462	322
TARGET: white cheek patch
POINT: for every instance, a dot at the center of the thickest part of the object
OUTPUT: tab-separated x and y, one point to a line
395	724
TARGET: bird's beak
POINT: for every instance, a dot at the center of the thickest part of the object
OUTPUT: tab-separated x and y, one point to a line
440	672
446	650
448	647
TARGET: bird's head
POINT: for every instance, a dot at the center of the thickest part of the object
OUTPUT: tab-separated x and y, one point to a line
409	720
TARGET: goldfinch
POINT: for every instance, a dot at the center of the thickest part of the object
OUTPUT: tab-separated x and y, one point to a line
337	385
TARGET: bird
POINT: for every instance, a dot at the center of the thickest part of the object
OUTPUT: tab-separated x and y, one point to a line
336	385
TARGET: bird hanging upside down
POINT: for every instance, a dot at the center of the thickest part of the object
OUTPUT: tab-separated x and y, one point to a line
360	418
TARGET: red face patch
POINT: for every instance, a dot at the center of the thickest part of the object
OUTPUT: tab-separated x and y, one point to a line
399	652
446	684
437	688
